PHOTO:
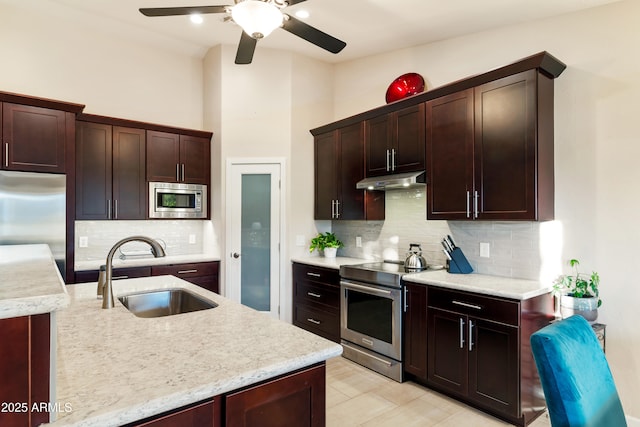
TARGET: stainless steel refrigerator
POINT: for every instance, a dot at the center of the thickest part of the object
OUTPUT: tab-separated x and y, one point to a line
33	210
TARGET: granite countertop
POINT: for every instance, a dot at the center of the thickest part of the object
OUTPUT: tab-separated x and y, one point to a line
30	282
145	261
519	289
114	367
334	263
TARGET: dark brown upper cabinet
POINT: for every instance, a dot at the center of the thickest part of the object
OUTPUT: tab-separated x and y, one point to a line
110	172
178	158
394	142
34	138
339	165
490	151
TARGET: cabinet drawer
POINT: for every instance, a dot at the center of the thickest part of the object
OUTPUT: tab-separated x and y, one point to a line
320	322
117	274
480	306
316	293
187	270
316	274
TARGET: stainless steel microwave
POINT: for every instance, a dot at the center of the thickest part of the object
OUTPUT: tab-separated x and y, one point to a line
173	200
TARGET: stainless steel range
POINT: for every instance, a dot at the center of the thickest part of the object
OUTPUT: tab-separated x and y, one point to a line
371	298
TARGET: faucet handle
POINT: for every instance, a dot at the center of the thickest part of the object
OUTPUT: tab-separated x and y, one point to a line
102	280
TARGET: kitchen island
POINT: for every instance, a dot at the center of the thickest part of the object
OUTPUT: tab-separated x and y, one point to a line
115	368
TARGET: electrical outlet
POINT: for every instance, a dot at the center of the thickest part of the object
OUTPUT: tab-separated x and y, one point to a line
358	242
83	241
300	240
484	250
192	239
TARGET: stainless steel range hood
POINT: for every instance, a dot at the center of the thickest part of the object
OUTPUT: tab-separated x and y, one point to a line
392	182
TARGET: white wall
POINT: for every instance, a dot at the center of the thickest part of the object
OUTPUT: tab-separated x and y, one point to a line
596	138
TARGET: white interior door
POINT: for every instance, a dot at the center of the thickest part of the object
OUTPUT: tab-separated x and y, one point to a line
253	235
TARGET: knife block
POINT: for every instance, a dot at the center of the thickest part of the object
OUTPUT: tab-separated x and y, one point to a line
458	263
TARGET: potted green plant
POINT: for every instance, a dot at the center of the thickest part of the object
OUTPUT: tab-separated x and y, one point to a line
578	293
327	242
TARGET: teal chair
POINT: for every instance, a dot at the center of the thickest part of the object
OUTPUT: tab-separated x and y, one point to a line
576	379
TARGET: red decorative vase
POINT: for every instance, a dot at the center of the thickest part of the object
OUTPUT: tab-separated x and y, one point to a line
405	85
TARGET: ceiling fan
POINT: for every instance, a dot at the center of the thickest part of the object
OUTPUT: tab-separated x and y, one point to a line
258	18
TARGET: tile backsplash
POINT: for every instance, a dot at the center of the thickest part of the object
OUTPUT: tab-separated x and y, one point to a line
516	248
174	235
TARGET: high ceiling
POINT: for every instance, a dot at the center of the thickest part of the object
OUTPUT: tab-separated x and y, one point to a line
368	26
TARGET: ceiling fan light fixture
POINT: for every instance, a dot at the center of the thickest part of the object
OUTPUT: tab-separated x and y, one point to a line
257	18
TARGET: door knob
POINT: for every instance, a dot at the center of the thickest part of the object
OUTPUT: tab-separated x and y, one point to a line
235	255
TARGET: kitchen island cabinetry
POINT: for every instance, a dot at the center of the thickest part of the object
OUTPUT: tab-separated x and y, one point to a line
203	274
490	151
395	142
174	157
316	300
110	172
339	165
85	276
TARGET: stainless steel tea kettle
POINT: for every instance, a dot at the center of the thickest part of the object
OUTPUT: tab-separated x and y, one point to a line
415	261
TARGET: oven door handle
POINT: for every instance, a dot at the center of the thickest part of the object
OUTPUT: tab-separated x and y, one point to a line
367	289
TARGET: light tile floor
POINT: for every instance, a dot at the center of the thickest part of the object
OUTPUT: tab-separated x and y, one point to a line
359	397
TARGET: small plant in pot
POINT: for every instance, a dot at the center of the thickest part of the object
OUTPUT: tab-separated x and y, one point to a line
327	242
579	293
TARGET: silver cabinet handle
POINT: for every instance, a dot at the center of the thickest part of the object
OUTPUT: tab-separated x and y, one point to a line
115	209
406	302
314	321
461	332
333	208
187	271
337	209
182	172
178	172
109	209
475	204
466	304
470	339
6	154
388	162
468	205
313	274
119	277
393	159
312	294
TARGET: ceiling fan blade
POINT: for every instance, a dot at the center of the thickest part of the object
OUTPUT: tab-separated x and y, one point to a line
246	48
173	11
312	35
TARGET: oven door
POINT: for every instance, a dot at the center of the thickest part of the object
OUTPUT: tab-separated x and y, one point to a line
371	317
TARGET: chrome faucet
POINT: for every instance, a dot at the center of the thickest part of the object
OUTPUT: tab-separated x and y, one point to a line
107	291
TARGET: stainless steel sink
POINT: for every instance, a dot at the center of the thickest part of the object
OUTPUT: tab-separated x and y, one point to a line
164	302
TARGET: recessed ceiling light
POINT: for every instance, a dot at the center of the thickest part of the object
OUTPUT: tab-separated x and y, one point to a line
303	14
196	18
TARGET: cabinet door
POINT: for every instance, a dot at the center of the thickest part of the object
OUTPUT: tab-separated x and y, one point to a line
505	147
415	331
129	185
378	141
93	171
447	360
297	399
493	366
408	153
203	414
34	138
163	156
450	156
195	160
351	170
326	179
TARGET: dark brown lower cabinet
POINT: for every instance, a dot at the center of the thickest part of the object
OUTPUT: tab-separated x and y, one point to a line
415	332
294	399
297	399
478	351
24	370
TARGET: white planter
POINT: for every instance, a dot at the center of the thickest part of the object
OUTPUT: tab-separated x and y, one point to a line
330	252
585	307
